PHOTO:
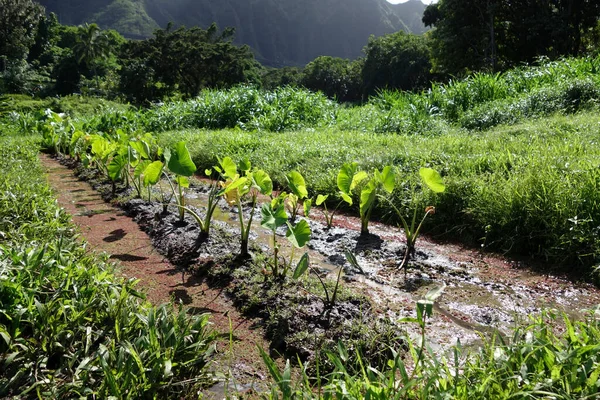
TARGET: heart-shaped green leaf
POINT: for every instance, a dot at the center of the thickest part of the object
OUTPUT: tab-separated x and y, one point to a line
297	184
180	162
432	179
152	173
388	179
262	181
116	166
229	167
367	197
298	235
302	266
140	167
344	178
321	199
273	218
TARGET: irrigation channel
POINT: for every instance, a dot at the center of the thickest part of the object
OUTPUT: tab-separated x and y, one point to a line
484	294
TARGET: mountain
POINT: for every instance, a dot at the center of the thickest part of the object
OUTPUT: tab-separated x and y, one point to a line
281	32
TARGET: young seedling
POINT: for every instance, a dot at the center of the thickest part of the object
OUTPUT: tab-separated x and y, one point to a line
237	187
180	163
214	194
298	192
385	180
424	311
348	178
275	216
304	265
152	174
434	182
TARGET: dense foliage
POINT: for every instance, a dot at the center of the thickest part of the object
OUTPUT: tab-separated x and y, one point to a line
68	326
497	34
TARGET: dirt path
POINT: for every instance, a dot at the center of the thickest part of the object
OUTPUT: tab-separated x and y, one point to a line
107	229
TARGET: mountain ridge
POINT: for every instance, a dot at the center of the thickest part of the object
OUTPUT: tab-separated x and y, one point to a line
281	32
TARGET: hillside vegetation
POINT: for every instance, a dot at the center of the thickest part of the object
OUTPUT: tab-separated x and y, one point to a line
280	32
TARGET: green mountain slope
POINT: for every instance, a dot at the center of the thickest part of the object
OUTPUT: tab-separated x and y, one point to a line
281	32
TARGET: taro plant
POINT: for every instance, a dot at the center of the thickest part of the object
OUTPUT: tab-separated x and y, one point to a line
432	179
348	178
275	216
214	194
152	173
180	163
298	192
236	187
368	195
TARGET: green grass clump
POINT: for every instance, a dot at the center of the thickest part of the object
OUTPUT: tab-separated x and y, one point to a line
247	108
534	363
68	326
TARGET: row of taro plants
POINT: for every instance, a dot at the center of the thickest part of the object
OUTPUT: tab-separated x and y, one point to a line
274	282
69	328
138	162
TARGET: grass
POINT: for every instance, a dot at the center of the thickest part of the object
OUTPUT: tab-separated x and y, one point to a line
68	326
534	363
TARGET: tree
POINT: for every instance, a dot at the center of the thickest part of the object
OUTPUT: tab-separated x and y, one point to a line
184	60
336	77
19	21
91	47
498	34
396	61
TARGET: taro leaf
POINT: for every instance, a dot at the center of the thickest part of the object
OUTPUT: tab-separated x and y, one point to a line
388	179
245	164
116	166
208	172
298	235
262	181
152	173
297	184
321	199
141	148
182	181
344	178
273	218
140	168
232	185
307	205
346	198
358	178
367	197
432	179
99	145
76	136
301	267
229	167
180	162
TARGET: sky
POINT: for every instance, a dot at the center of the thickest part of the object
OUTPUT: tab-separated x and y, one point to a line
404	1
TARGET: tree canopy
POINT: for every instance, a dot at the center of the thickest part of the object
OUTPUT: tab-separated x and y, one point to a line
497	34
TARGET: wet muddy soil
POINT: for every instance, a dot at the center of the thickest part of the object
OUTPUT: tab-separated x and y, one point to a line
484	294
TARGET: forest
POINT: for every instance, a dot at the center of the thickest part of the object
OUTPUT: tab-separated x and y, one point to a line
179	221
